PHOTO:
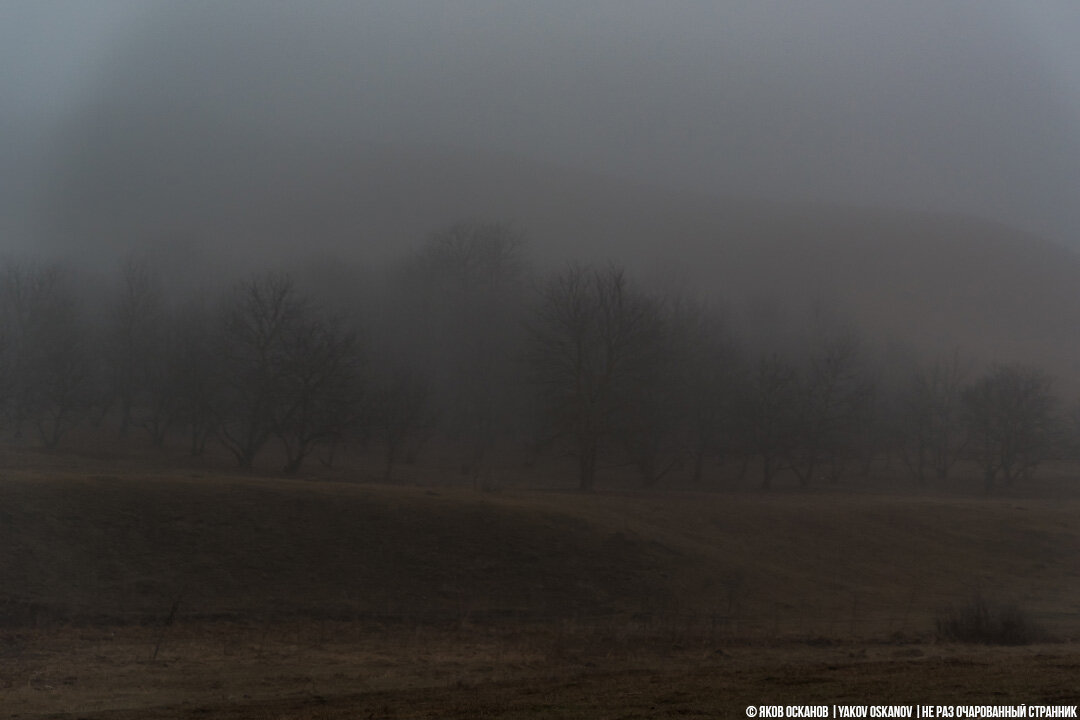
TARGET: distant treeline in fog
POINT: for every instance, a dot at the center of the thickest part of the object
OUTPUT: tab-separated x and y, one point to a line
466	344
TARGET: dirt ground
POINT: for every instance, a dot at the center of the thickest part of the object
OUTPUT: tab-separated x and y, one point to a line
349	670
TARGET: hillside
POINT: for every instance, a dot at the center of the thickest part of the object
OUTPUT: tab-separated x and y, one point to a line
162	594
124	549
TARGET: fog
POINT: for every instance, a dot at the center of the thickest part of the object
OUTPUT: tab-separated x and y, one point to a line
366	356
117	114
858	155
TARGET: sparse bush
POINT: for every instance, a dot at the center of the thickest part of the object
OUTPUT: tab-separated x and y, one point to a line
988	623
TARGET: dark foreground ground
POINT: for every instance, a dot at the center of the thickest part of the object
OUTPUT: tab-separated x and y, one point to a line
135	595
334	670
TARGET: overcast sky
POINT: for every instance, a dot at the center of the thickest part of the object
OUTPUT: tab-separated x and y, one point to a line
971	107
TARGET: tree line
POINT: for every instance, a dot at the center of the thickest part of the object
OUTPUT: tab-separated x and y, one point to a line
464	341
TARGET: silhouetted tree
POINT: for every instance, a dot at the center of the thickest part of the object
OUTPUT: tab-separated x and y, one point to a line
768	411
930	427
650	420
258	317
48	349
593	339
403	417
833	394
161	404
1070	433
134	338
320	392
707	372
678	408
1011	422
464	290
198	373
180	382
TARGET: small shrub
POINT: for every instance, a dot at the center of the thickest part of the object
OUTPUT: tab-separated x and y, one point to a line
981	621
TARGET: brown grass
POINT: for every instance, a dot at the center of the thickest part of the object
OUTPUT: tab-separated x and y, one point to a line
347	670
319	599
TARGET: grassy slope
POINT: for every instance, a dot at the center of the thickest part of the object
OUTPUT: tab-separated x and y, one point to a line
125	548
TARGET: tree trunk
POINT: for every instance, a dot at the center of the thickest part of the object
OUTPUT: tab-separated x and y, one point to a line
587	468
699	465
766	471
391	457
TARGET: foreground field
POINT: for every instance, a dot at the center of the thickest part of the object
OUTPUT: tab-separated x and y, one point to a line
164	595
347	671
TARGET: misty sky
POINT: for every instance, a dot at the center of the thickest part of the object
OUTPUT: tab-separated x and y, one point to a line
972	107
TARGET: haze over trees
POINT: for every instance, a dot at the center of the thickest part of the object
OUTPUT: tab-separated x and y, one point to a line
464	292
465	354
682	222
514	354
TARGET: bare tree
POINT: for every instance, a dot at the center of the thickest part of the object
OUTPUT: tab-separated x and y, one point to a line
471	258
51	372
593	338
768	411
649	423
464	291
930	427
258	317
198	374
833	399
678	408
707	371
320	391
161	404
134	338
1070	433
1011	422
176	380
403	417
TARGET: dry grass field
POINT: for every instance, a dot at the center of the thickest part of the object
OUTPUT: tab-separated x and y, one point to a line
130	592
